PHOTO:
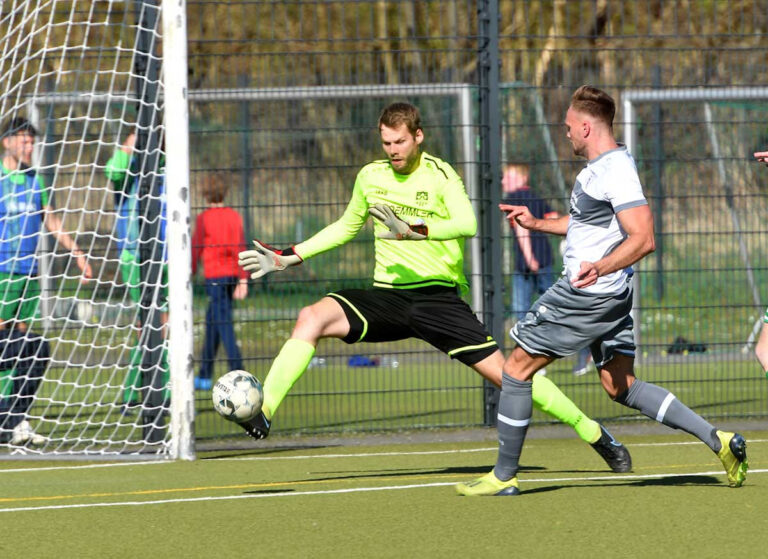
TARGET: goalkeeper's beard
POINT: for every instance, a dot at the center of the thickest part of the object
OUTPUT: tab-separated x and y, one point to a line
406	165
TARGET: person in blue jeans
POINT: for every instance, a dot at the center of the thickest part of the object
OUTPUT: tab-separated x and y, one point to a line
217	240
533	273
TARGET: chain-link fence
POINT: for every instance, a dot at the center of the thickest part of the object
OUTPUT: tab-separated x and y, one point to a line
289	94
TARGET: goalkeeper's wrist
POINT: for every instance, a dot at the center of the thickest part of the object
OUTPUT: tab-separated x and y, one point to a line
281	251
419	227
291	252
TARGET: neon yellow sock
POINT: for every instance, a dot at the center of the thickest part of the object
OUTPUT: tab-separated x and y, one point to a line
288	366
548	398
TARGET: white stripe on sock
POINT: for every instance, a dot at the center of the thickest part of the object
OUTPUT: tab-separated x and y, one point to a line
513	422
664	406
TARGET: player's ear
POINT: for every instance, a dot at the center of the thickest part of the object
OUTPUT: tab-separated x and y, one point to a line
586	128
419	136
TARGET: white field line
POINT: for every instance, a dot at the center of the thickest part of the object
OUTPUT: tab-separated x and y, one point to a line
353	490
328	456
84	466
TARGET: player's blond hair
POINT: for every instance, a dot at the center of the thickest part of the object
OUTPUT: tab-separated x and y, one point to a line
594	102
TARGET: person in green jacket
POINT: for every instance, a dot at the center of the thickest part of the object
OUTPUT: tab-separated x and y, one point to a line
121	170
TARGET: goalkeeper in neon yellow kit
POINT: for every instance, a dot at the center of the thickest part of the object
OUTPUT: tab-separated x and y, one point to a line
422	215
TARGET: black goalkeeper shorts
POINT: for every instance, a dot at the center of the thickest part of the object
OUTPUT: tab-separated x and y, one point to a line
434	314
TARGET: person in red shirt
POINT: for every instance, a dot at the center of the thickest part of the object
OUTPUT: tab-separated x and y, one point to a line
217	240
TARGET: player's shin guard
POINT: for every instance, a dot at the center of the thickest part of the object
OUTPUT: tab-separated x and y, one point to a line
548	398
287	368
515	407
660	404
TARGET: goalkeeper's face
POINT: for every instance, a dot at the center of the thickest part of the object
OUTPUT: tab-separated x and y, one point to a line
19	147
402	147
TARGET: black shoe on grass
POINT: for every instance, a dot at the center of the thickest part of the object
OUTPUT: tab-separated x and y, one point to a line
258	427
613	452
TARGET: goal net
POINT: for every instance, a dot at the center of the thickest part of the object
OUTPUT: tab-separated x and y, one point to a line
85	239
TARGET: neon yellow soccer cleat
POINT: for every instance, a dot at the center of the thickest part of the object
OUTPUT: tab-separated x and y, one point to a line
733	455
488	485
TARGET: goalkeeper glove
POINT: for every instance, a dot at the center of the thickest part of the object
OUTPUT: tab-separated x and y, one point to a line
398	229
265	259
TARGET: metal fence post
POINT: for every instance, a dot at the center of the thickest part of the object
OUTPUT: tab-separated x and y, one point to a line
147	150
490	181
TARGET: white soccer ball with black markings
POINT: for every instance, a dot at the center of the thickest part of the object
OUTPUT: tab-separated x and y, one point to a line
238	396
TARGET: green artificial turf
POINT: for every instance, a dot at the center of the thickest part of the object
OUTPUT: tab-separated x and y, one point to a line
309	498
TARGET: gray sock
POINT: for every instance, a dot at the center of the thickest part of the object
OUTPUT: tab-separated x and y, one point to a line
660	404
515	407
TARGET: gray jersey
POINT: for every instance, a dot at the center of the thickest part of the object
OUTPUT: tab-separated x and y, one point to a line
607	185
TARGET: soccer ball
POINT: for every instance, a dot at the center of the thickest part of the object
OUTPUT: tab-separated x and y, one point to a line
237	396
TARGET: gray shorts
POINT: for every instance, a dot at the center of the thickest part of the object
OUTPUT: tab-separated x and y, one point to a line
564	320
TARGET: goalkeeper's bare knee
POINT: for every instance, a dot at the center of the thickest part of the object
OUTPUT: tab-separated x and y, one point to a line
324	319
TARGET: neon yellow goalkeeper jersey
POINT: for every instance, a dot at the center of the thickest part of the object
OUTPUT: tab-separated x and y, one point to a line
434	193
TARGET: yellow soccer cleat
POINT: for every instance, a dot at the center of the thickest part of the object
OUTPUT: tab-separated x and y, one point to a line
733	455
488	485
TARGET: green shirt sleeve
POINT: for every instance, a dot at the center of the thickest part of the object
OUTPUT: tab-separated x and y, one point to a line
117	167
339	232
461	221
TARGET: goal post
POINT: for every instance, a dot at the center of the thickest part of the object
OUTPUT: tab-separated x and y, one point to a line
179	261
115	380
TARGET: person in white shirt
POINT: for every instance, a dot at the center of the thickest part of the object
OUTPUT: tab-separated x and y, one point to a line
608	229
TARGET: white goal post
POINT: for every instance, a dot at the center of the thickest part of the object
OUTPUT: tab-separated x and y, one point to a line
89	365
705	95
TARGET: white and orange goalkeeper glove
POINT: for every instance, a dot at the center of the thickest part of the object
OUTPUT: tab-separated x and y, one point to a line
264	259
398	229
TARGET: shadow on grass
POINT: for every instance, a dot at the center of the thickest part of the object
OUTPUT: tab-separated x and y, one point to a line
267	491
672	481
677	481
405	472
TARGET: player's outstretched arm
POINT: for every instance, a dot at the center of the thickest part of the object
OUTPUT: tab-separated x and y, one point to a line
523	217
398	229
264	259
762	156
55	225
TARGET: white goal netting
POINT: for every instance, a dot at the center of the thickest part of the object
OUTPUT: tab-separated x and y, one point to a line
84	235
